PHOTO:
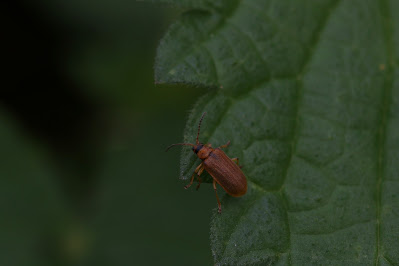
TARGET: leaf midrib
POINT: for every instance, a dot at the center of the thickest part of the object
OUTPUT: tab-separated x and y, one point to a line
315	41
386	103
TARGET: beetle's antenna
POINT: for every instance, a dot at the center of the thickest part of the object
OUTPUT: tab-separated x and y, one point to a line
187	144
199	126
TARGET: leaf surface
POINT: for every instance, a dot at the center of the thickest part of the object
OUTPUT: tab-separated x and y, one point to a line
308	94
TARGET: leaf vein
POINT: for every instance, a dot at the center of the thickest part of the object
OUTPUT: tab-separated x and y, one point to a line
247	37
336	230
213	62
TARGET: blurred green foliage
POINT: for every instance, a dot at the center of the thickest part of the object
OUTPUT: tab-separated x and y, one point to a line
84	176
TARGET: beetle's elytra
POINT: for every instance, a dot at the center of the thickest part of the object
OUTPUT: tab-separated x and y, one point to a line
224	171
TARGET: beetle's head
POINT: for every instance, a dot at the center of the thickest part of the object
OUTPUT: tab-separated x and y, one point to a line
202	151
197	148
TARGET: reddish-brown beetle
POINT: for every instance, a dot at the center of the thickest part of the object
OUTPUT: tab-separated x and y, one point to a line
224	171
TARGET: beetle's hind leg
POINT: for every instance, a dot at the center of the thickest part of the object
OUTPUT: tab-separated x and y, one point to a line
225	145
236	161
198	171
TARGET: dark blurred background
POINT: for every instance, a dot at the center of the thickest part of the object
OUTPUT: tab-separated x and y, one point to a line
84	178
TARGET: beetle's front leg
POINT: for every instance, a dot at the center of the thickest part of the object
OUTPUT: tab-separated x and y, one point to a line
236	161
199	177
197	170
225	145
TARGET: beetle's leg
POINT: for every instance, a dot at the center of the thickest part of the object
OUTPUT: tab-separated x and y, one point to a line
199	182
225	145
198	177
191	182
236	161
217	198
192	177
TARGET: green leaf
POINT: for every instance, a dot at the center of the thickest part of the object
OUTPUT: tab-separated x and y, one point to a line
308	94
